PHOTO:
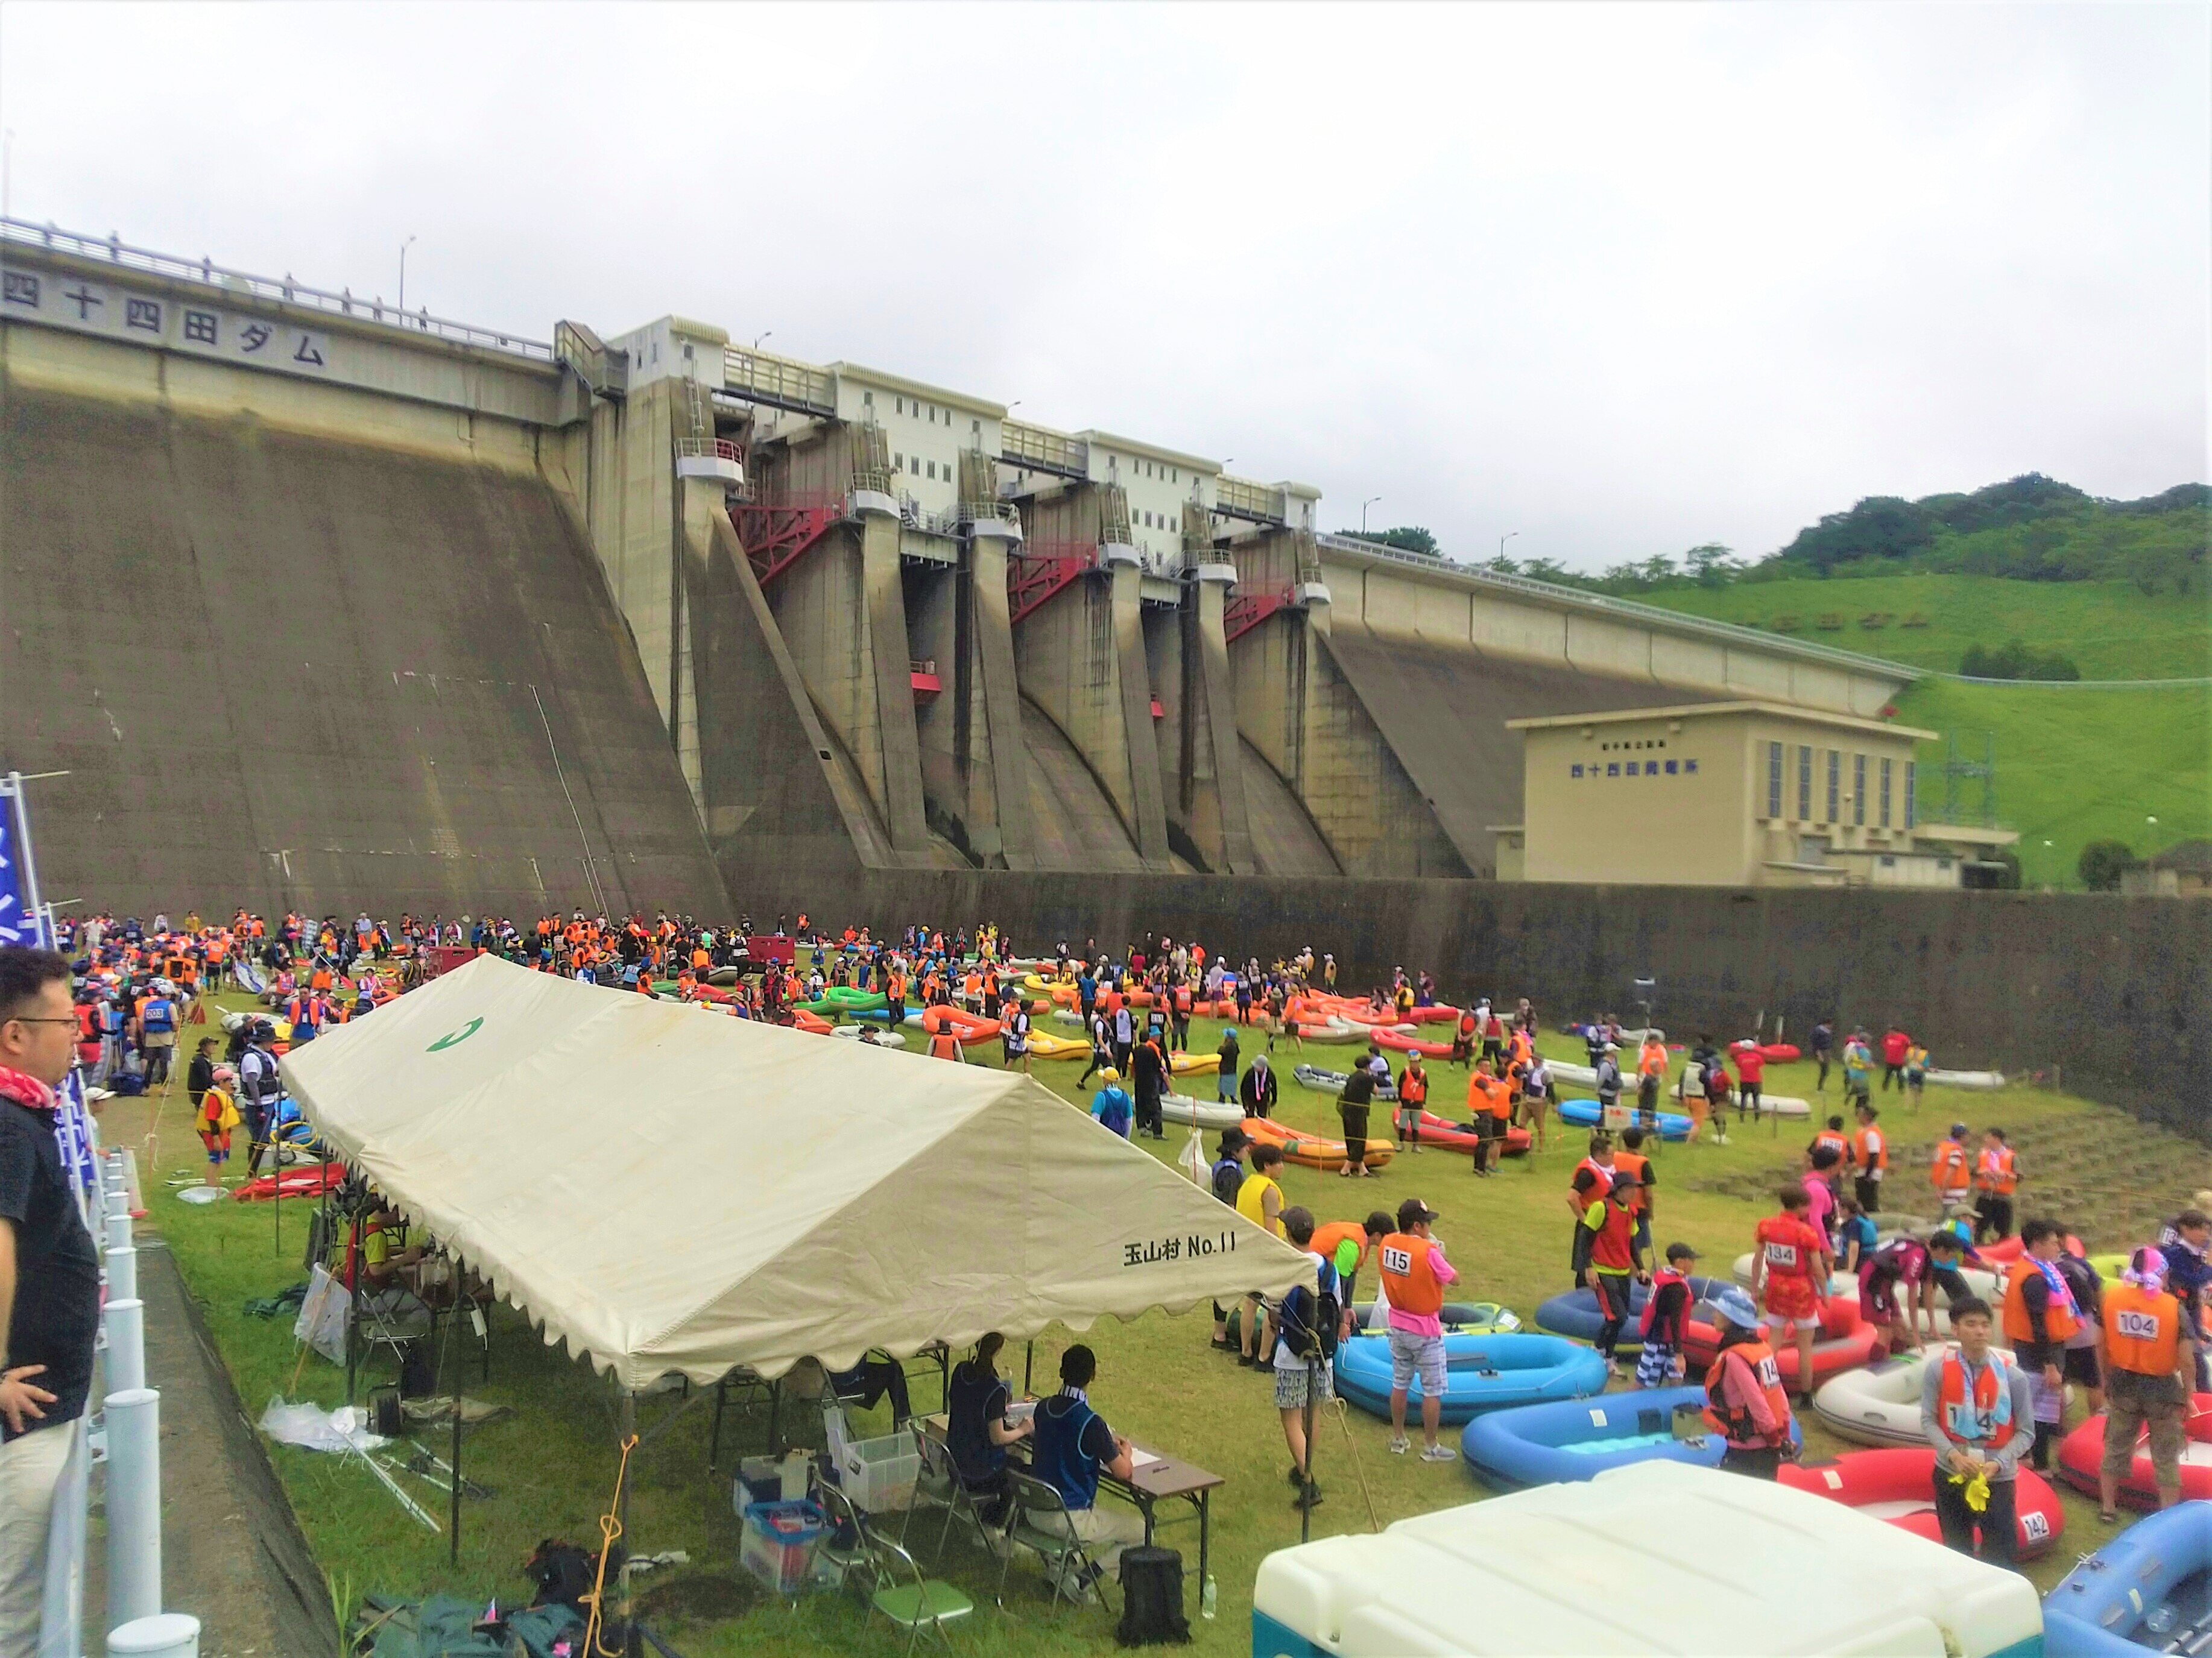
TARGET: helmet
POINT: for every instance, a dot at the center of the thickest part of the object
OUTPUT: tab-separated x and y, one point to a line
1110	1074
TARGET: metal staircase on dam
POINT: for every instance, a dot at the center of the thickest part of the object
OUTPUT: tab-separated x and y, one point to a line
1041	570
776	534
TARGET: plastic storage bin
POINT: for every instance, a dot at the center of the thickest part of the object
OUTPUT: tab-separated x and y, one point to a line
779	1543
880	1474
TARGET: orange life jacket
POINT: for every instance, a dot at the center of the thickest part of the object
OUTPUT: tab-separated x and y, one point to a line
1998	1173
2059	1319
1414	1087
1870	1148
1737	1422
1597	1193
1988	1415
1949	1172
1829	1138
1408	1275
2142	1331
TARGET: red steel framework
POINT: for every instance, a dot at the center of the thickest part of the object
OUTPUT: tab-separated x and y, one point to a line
775	534
1246	611
1042	569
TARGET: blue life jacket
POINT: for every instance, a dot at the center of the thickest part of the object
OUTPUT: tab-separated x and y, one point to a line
968	1424
160	1015
1056	1451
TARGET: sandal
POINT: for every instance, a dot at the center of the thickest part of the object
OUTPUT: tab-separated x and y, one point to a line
2110	1516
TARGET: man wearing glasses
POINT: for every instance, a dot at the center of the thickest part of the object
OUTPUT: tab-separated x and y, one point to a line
49	1281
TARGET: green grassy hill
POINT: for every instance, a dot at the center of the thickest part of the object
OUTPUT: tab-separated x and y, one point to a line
2111	629
2074	765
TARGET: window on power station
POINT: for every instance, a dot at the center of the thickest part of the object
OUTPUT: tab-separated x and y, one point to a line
1858	790
1885	792
1804	782
1911	817
1774	779
1835	787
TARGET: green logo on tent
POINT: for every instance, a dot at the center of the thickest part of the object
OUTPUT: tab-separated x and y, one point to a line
453	1037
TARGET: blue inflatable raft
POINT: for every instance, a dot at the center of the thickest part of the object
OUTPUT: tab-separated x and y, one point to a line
1589	1113
1481	1373
1579	1439
2150	1589
1575	1314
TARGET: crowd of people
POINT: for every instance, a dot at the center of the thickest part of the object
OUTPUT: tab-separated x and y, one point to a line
124	997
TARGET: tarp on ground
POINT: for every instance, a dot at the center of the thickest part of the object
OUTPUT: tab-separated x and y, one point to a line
670	1189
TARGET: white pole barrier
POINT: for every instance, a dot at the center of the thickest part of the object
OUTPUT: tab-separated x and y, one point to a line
169	1635
118	1228
126	1345
133	1505
123	1273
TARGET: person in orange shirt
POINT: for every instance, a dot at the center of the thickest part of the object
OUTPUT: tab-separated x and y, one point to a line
1997	1177
1491	1104
2150	1370
1362	1235
1650	1072
1951	1173
1870	1159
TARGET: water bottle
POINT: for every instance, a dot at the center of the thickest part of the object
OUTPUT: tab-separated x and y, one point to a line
1209	1599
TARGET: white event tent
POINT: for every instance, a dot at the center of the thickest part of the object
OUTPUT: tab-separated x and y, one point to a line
670	1189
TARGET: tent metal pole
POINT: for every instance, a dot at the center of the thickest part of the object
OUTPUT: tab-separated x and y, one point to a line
353	1296
1029	1368
622	1499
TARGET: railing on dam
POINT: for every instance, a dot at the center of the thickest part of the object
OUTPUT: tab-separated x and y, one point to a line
113	249
1676	621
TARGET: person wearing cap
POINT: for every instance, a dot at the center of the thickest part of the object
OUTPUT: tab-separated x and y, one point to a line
1609	1258
258	1085
1111	1104
1415	1276
1609	1078
1744	1398
1666	1324
213	1115
1952	1173
2150	1366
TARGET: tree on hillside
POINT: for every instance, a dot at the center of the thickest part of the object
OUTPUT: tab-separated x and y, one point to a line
2102	863
1712	565
1407	537
2024	499
1880	526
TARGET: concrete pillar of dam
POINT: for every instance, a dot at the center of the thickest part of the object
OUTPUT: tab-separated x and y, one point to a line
842	617
975	768
1080	657
1210	772
771	791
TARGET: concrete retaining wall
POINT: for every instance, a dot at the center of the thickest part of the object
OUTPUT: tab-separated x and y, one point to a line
2110	994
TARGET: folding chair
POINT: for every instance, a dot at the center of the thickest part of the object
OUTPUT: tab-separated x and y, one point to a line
904	1596
845	1519
939	1486
1042	1525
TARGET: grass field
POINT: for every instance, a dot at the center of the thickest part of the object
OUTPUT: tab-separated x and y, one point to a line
2073	765
2110	628
551	1467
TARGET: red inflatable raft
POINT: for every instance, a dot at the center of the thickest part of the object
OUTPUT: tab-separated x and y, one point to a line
1898	1485
1432	1130
1842	1342
2082	1451
967	1027
1404	1044
2006	1250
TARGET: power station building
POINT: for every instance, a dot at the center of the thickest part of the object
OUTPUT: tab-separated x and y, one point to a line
479	621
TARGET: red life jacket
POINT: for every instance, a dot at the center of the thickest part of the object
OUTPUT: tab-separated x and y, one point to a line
1660	1280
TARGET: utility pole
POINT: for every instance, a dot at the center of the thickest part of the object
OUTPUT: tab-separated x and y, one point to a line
404	246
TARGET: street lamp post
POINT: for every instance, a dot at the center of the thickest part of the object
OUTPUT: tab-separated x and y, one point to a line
1502	540
1364	505
404	246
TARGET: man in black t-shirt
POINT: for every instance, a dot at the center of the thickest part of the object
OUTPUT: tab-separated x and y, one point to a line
49	1281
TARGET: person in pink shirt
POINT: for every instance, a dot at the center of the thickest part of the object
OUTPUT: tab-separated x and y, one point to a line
1820	1193
1415	1276
1750	1078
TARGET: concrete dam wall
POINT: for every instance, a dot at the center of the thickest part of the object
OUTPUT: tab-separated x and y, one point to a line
292	669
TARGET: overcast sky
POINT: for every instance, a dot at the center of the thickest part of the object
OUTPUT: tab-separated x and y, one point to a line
1620	280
